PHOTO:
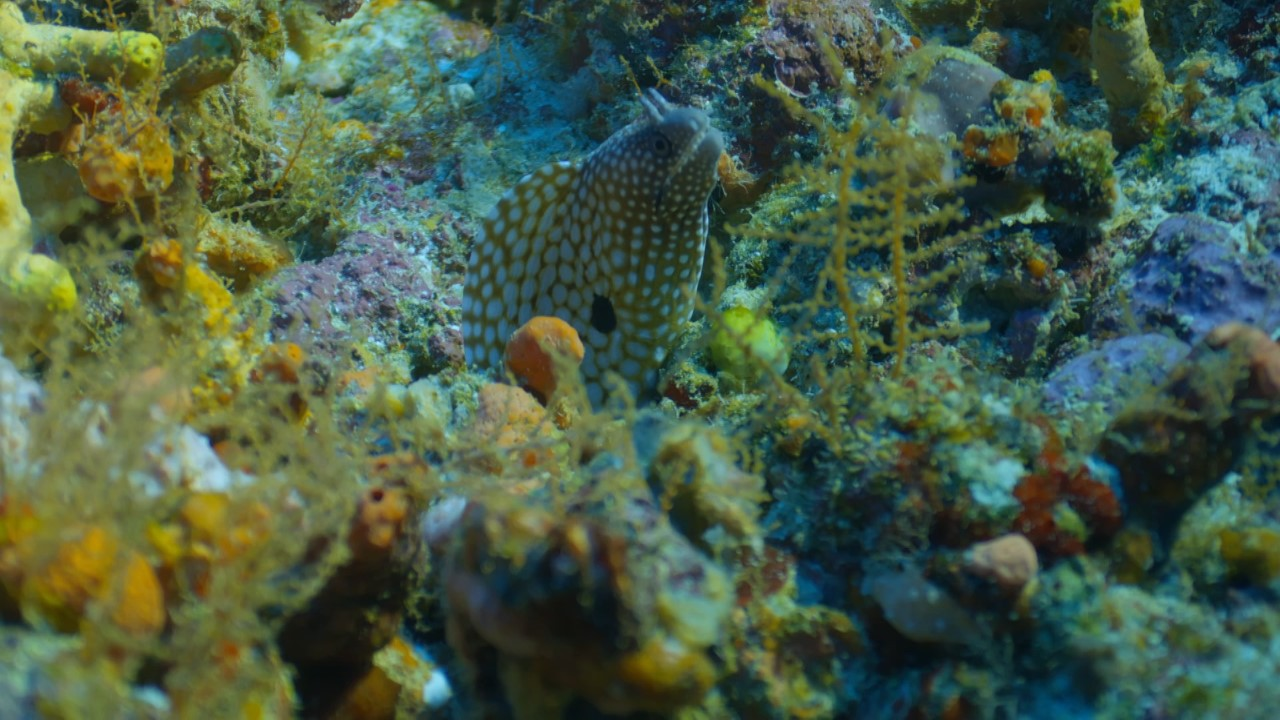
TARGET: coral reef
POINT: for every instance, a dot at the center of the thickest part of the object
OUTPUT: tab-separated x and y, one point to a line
1191	279
345	298
1172	446
1012	141
597	613
957	397
35	105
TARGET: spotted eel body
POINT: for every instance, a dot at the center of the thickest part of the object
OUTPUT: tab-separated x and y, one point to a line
612	245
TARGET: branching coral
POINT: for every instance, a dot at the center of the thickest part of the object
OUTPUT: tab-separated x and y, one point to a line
880	191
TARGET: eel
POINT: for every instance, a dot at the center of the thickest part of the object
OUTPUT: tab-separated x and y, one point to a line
612	244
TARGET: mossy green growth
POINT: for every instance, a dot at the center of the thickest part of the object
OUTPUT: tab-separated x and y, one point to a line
1117	13
744	345
200	61
41	281
1253	553
1084	176
1068	521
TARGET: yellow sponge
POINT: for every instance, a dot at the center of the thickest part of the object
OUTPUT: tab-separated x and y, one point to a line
40	279
1130	74
745	345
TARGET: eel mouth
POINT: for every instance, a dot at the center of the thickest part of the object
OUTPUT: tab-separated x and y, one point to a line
703	154
709	146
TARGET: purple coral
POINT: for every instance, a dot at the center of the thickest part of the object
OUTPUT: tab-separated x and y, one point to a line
1115	372
1195	277
354	294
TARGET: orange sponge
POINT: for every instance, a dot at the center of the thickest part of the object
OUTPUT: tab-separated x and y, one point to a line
542	352
140	607
124	158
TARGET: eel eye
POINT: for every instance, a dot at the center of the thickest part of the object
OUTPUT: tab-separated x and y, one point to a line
661	146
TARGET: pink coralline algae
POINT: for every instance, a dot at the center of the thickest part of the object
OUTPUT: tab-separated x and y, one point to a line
795	37
356	294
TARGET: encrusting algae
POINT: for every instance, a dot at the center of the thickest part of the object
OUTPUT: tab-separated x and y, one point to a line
613	245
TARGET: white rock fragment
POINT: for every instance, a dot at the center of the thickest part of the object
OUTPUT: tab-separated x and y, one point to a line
922	611
460	94
1008	561
20	398
990	476
182	457
436	691
439	521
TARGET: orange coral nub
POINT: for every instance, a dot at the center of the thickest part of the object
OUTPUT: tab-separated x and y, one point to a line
139	608
666	674
1035	116
124	158
542	351
205	514
281	363
1002	150
1037	268
380	521
994	150
77	575
160	261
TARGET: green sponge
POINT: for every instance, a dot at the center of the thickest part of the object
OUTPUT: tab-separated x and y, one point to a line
744	345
